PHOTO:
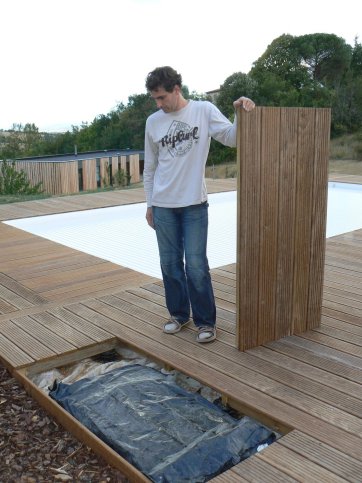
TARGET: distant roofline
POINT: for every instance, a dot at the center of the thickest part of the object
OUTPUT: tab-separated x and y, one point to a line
215	91
56	158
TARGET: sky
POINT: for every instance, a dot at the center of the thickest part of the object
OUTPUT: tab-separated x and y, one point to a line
64	62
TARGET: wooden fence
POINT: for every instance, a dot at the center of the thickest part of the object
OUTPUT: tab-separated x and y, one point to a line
56	178
69	177
282	204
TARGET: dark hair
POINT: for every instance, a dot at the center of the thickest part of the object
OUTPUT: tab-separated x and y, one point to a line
165	77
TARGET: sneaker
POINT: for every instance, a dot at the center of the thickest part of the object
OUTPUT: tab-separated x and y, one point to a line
173	325
206	334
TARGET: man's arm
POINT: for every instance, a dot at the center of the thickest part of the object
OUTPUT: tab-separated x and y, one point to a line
221	129
151	160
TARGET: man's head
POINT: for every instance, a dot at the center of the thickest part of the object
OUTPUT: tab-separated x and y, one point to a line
164	85
165	77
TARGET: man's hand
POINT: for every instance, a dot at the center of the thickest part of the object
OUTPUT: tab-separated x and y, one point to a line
149	217
245	102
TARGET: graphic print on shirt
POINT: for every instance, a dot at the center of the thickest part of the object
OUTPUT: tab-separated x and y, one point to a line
179	138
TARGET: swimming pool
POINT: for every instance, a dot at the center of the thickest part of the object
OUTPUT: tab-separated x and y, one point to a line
120	234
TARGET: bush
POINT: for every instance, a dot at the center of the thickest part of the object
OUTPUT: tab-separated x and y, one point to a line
119	179
13	182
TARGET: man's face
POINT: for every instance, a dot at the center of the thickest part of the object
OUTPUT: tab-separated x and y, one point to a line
167	101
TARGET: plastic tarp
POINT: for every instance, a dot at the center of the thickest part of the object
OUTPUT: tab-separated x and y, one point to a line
168	433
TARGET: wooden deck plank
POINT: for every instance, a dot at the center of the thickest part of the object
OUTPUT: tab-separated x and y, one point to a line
325	350
308	370
345	178
352	264
296	465
339	324
13	298
62	329
331	459
62	279
345	281
78	323
25	341
11	355
342	335
330	365
349	251
345	308
337	314
333	343
353	294
229	477
20	290
6	307
255	469
45	265
87	286
45	336
351	299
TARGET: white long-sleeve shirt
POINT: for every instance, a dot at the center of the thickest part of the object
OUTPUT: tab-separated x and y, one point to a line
176	149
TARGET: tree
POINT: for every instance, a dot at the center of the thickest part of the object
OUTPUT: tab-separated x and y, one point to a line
22	141
326	56
234	86
13	143
60	143
356	60
314	70
347	105
132	121
282	60
301	71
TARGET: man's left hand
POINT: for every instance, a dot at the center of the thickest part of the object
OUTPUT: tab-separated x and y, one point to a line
245	103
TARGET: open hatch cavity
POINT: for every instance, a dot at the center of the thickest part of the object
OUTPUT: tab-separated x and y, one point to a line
167	425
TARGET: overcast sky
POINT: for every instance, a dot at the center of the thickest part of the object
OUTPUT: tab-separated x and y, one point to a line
63	62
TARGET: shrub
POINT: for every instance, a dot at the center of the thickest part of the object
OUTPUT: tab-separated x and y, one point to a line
119	179
13	182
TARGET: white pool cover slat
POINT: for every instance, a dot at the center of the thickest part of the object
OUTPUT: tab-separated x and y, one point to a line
121	235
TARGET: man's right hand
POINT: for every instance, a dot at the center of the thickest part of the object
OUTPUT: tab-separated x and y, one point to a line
149	217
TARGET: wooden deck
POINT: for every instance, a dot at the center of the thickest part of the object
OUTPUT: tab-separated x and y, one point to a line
346	178
55	301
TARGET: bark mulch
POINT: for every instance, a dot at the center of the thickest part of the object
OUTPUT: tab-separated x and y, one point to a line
35	448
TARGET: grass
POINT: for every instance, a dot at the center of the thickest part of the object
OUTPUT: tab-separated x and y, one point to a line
343	159
345	166
345	154
346	147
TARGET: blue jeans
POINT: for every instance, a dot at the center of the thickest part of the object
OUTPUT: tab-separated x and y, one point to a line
182	236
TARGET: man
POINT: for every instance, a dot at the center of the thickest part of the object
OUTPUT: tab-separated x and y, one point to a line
177	141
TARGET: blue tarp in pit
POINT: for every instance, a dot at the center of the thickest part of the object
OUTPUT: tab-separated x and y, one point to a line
169	434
